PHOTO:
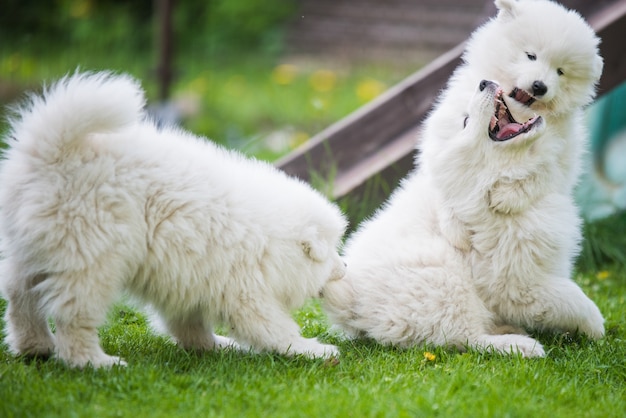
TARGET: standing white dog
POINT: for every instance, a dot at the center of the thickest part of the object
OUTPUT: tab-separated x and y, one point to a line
94	201
477	244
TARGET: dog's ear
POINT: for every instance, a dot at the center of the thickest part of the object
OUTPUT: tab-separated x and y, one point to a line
314	247
507	9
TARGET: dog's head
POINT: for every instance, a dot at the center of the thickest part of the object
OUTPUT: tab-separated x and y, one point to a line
544	56
320	247
308	261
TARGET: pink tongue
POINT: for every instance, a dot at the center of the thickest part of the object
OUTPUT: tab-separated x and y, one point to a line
508	129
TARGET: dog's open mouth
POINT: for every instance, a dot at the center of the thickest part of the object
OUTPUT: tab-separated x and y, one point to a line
522	96
503	126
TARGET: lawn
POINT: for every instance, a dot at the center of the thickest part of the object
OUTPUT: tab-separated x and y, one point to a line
577	378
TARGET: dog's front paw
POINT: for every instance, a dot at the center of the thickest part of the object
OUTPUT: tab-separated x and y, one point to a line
528	348
311	348
323	351
99	361
225	342
508	197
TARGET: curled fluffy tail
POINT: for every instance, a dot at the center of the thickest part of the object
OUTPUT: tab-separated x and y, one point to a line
55	123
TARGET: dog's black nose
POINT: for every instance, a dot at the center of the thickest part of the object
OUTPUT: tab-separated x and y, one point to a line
483	84
539	88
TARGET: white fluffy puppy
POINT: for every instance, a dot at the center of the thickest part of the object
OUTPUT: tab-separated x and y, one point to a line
95	201
477	244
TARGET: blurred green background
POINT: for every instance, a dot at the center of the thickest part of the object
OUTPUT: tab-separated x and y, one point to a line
232	80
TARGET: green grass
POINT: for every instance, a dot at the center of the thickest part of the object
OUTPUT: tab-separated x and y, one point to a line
577	378
605	243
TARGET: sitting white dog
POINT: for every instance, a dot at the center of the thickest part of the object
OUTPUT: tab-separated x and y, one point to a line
477	244
94	201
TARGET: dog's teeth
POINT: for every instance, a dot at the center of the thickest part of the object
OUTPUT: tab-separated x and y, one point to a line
501	112
493	123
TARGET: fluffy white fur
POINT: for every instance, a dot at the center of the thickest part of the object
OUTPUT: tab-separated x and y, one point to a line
94	201
477	243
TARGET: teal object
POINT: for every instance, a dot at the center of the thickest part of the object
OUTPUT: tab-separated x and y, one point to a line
607	118
602	190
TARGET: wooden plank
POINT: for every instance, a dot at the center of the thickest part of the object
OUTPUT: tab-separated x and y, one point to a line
328	34
610	23
358	26
377	141
365	131
380	13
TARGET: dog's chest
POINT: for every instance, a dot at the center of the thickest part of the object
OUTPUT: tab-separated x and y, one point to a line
512	249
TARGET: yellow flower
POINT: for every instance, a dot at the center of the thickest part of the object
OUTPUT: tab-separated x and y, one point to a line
428	356
323	80
603	275
80	9
284	74
368	89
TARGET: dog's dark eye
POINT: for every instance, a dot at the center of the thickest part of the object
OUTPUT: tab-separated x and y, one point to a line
560	71
465	121
531	56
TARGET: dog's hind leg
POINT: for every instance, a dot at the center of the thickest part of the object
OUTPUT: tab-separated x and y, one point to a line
194	332
78	303
560	305
27	331
463	320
